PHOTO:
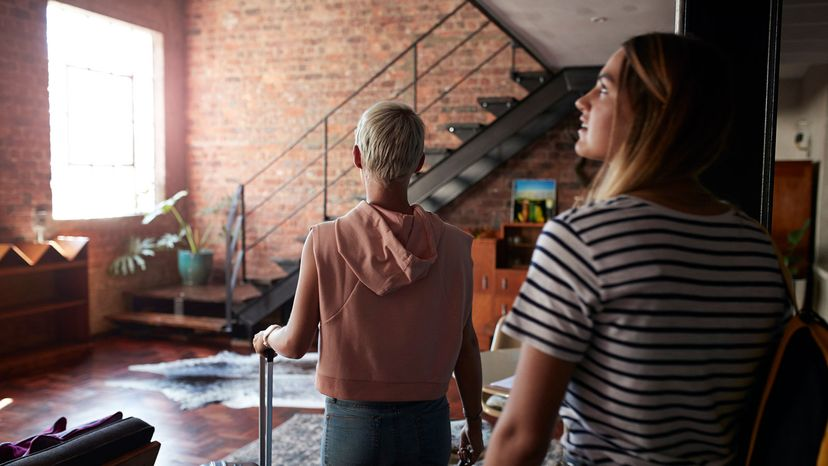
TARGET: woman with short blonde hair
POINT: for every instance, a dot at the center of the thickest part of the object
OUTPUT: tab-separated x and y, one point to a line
388	286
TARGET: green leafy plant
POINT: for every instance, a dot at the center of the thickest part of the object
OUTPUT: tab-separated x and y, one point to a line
139	248
791	259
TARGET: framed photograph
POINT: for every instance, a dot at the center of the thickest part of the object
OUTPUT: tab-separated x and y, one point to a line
534	201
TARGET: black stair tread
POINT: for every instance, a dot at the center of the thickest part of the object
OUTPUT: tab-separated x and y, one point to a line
444	151
164	319
212	293
464	131
530	80
530	74
497	100
497	106
478	126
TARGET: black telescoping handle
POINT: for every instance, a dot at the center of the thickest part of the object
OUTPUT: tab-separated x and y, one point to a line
266	408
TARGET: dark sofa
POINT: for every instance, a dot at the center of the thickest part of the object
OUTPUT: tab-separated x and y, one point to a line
126	442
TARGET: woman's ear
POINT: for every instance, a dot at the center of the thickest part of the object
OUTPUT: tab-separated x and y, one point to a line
420	165
357	157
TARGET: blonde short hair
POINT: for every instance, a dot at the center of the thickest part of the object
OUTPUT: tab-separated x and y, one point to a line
390	136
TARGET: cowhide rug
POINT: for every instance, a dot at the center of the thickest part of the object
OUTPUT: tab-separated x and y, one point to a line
231	379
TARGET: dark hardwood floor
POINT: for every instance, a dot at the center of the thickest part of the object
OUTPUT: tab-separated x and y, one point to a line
79	393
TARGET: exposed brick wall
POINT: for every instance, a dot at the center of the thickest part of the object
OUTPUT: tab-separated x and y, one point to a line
258	74
262	73
24	140
488	204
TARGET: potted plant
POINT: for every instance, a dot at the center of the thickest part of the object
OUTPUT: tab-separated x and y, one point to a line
792	261
194	261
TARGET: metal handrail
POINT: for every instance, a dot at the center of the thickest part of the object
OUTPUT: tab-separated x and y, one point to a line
236	260
358	91
348	170
408	86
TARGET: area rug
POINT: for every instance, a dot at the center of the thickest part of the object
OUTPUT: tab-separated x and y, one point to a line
296	442
231	379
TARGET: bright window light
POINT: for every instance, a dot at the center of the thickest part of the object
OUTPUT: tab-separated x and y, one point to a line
106	115
5	402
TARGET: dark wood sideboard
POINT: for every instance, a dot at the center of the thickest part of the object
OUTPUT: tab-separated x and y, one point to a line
44	305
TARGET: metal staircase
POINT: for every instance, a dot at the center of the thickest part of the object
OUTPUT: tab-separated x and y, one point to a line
448	171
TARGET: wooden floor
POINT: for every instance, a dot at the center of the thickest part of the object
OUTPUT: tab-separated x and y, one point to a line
79	393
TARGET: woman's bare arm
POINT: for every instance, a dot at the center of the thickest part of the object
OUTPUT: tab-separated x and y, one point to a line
523	431
294	339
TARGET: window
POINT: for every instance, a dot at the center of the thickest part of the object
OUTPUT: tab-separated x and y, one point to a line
106	115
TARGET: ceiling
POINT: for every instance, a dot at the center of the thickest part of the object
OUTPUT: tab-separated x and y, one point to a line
580	32
804	36
586	32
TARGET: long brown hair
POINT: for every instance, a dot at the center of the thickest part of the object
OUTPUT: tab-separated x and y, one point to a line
679	95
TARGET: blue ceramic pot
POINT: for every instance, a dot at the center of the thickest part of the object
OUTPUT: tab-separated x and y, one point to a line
194	268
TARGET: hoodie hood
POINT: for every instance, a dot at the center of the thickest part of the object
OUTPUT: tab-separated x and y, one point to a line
388	250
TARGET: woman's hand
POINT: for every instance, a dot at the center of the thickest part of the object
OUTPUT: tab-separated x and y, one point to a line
258	339
471	441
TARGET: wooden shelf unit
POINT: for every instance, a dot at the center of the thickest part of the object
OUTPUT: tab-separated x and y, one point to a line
500	266
44	304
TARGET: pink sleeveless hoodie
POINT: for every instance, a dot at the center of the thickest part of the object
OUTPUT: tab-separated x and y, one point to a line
395	293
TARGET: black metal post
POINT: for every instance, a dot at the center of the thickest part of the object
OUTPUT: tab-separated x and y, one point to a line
743	174
325	176
415	77
514	51
243	237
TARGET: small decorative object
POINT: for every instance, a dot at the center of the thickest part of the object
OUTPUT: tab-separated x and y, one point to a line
194	263
41	216
802	139
534	201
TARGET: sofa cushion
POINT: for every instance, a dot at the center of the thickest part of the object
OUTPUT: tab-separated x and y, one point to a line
95	446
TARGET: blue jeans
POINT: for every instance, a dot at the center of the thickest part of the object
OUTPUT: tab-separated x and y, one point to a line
380	433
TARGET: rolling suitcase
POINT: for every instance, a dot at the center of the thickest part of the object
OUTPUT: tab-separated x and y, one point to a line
266	408
265	415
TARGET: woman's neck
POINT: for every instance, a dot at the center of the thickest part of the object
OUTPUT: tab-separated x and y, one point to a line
392	196
684	195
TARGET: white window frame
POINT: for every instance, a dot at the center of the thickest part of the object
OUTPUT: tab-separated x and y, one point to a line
103	164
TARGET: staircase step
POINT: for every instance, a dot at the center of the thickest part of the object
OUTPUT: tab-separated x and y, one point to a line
464	131
213	293
530	80
435	155
497	106
163	319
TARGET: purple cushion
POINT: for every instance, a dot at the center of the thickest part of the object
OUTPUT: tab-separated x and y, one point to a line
51	437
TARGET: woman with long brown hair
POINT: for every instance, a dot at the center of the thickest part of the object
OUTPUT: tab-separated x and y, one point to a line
648	308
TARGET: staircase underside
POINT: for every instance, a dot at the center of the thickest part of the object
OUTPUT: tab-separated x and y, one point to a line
530	119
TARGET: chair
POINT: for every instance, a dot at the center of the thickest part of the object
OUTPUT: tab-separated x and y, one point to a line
500	340
498	363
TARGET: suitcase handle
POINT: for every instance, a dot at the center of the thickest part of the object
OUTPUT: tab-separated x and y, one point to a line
266	408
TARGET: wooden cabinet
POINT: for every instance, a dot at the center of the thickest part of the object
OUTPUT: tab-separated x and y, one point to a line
483	259
794	192
44	308
500	266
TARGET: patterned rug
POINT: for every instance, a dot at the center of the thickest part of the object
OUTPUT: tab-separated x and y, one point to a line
231	379
297	441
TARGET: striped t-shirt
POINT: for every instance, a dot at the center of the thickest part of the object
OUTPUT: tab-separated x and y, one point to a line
667	316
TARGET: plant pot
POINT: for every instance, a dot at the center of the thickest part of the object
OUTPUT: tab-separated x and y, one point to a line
800	287
194	268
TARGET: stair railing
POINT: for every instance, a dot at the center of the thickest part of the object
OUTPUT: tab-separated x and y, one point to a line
236	244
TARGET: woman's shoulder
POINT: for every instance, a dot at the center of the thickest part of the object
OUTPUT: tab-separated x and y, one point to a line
589	212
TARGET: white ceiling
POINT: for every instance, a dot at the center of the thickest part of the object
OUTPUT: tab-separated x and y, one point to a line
568	33
563	33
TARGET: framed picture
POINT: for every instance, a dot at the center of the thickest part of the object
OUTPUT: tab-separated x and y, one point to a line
534	201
